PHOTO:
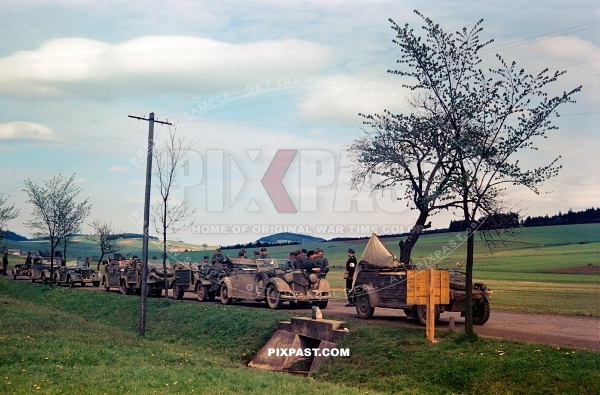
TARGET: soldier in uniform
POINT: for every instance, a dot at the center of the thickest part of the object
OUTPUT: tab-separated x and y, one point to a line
205	259
217	257
350	267
311	261
293	258
263	253
301	258
86	263
323	263
4	262
256	254
242	254
28	259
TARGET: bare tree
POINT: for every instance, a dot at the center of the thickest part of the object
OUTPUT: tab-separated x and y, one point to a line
55	211
106	237
74	215
7	213
169	215
491	114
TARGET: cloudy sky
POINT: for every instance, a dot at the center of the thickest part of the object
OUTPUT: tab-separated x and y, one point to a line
264	90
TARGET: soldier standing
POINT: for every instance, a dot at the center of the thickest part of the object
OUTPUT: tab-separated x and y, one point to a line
28	259
349	275
86	263
323	263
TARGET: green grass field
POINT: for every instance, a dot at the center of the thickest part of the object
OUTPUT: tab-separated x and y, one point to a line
514	269
58	340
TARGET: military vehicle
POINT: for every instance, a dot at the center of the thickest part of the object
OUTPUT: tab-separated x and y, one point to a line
126	274
275	282
74	273
40	269
204	280
21	270
381	280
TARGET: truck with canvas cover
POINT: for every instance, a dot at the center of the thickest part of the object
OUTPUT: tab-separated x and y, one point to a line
274	281
380	280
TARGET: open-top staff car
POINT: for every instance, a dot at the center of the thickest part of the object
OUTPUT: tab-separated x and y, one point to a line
274	281
381	281
74	273
126	275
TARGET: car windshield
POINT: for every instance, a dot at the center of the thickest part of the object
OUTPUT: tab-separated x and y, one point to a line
273	264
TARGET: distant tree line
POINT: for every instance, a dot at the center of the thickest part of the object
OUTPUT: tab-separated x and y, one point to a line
588	216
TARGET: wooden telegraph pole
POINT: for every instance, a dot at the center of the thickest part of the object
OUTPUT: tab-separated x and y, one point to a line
144	287
430	325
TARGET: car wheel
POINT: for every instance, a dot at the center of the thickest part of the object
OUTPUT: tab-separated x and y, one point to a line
178	292
71	282
273	298
201	293
363	307
225	299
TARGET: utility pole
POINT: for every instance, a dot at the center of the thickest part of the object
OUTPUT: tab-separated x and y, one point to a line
144	288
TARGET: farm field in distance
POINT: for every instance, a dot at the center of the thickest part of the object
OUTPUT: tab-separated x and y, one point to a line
532	272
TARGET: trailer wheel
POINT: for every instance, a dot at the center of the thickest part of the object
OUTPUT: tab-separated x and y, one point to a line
363	306
225	299
422	314
123	287
481	313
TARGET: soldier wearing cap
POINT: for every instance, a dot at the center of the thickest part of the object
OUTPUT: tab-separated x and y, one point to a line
218	257
293	259
263	253
323	263
242	254
301	257
205	259
350	267
311	261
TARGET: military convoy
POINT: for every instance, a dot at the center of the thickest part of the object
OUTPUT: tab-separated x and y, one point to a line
126	275
381	281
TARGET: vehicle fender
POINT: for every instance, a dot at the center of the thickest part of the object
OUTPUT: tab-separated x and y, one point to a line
324	286
280	283
227	283
369	290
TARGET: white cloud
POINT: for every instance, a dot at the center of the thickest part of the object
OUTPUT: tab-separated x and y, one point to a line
25	131
80	181
117	169
153	65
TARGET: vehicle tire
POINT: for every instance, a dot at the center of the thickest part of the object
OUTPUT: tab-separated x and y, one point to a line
259	284
273	298
178	292
44	280
411	313
201	293
422	314
481	313
70	282
322	304
123	288
96	284
363	307
225	299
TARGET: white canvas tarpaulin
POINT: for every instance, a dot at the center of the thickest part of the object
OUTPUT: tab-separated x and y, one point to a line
377	254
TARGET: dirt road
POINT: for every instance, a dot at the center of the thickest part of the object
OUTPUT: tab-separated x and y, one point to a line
557	330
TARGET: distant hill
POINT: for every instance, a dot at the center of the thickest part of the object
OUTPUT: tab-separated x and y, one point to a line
8	235
289	238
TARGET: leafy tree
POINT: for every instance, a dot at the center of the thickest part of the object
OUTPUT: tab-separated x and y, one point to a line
55	210
491	115
169	215
106	237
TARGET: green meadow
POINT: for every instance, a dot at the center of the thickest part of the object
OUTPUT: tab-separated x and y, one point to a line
63	341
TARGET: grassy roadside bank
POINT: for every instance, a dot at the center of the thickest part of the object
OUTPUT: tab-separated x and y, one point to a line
63	341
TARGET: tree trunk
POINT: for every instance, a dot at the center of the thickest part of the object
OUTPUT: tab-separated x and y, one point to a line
407	245
100	261
164	256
